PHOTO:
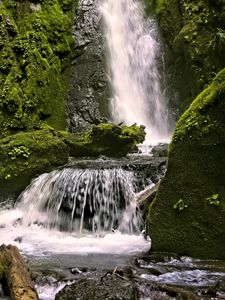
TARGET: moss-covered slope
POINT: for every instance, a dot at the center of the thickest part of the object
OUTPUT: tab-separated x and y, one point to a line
195	34
35	46
27	154
188	214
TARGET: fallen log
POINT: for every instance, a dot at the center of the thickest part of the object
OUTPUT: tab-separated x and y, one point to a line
147	195
16	274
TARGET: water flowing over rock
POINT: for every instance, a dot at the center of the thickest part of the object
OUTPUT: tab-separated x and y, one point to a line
133	54
77	200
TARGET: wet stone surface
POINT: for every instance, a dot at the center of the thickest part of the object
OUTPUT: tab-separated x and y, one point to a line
152	276
87	100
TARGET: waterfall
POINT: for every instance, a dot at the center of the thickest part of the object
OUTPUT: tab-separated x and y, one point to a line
76	211
133	54
78	200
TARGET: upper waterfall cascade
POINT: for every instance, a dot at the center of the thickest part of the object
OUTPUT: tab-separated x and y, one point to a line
133	54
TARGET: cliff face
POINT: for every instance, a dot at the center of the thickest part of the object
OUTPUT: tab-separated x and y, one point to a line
194	32
35	49
89	93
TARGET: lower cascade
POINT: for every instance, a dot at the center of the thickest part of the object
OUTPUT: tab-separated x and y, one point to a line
82	199
77	210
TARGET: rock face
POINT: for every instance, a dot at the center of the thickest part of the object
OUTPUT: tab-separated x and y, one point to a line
194	32
188	214
87	99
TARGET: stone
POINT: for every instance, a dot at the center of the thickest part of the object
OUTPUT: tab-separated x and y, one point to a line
187	215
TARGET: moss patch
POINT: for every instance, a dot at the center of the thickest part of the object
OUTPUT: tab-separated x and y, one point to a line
25	155
195	175
108	139
35	48
28	154
195	34
2	270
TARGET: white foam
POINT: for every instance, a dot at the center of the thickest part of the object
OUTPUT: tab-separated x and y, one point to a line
37	240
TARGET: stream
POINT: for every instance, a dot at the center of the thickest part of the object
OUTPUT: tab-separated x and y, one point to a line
102	253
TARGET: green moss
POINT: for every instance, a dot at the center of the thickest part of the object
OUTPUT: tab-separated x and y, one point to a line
25	155
194	123
194	32
35	48
2	270
196	172
108	139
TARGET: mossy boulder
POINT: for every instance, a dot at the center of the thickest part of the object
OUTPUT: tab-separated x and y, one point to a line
27	154
188	214
194	32
108	139
35	50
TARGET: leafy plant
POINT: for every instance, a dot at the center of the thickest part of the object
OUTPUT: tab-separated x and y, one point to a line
213	200
20	151
180	205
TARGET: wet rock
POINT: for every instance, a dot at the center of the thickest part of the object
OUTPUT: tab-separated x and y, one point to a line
112	288
160	150
87	99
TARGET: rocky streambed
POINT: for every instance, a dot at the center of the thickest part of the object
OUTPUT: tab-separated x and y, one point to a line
146	276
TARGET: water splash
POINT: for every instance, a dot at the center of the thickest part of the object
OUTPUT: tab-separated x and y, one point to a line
135	80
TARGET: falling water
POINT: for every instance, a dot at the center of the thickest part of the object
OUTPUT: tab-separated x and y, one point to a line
82	199
135	80
76	211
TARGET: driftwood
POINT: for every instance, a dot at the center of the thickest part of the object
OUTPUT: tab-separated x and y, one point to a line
148	194
16	274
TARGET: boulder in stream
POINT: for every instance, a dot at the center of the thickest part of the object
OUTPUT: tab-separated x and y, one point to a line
95	289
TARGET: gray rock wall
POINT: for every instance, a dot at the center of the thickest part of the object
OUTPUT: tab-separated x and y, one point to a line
88	96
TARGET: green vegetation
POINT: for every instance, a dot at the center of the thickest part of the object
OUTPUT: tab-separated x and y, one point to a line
1	270
194	32
196	171
214	200
35	49
180	205
27	154
108	139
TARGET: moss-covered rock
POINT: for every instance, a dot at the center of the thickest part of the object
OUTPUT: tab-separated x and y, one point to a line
107	139
188	214
195	34
27	154
35	47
